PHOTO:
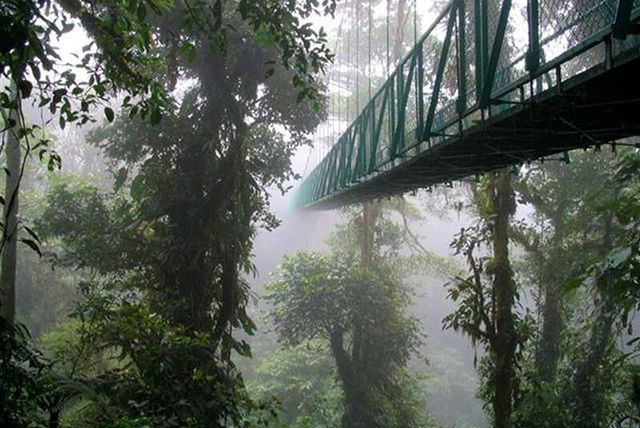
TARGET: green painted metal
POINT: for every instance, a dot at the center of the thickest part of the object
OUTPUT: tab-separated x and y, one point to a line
490	72
462	58
377	126
420	87
377	141
623	16
533	54
398	136
404	88
444	56
482	45
362	141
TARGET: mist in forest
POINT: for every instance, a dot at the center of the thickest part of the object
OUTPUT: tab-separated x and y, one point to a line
446	358
249	214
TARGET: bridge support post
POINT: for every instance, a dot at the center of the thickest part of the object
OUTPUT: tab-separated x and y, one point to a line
496	48
481	43
462	59
439	74
420	96
533	55
623	18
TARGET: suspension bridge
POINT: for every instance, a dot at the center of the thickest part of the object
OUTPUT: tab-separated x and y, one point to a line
491	83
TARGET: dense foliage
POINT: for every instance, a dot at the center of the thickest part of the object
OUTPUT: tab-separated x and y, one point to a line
576	247
360	313
135	265
247	67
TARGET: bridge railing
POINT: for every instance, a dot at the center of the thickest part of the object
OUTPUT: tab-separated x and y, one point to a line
472	61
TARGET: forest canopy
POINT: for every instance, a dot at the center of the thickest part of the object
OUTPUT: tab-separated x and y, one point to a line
153	273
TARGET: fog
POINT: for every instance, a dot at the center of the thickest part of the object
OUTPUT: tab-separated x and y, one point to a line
168	257
446	357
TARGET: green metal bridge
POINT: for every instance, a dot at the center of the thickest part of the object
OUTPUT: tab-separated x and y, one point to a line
491	83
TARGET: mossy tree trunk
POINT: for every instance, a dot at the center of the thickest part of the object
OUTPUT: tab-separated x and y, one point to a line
504	287
10	233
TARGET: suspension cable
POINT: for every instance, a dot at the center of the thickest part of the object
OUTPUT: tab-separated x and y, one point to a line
369	47
357	57
348	71
388	34
337	114
415	23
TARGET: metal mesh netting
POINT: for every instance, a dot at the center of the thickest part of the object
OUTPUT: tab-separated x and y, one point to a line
448	96
512	62
431	50
382	103
565	24
630	42
394	122
492	8
410	112
470	54
383	138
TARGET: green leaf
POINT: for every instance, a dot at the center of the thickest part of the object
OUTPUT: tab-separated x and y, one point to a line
33	245
572	284
189	51
156	116
243	348
67	27
142	11
32	233
108	112
25	88
137	188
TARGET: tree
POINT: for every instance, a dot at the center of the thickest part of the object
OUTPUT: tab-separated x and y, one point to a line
486	298
567	230
563	227
361	315
9	246
594	392
302	379
174	241
134	45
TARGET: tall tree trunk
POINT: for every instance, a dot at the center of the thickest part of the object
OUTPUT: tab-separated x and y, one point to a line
54	419
368	222
189	281
402	15
356	410
9	236
548	352
505	290
590	383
